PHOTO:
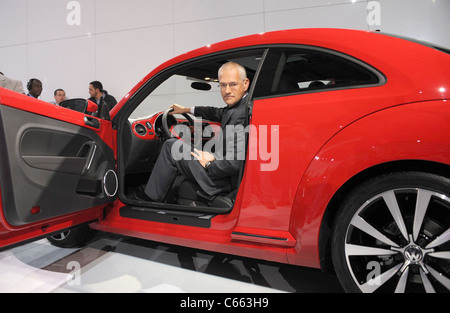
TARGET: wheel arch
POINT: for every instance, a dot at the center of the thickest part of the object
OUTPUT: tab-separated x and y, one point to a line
361	177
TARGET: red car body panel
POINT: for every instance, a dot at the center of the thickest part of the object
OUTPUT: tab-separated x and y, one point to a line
326	138
294	211
366	144
28	104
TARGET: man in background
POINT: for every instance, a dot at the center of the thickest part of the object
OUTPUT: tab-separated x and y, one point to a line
34	87
11	84
98	95
59	95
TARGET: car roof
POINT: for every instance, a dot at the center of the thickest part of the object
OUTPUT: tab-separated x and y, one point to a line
391	55
365	45
344	40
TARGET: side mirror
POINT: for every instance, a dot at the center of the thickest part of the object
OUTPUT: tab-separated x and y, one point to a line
91	107
76	104
80	105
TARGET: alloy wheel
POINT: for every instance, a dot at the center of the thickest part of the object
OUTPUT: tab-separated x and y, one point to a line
61	236
399	241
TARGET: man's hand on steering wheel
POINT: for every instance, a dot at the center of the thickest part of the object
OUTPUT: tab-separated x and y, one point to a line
178	109
174	109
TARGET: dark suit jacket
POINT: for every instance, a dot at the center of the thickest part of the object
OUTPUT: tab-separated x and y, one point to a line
230	145
223	173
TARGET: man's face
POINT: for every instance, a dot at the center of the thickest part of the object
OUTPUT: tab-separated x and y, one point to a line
232	87
92	91
60	96
36	88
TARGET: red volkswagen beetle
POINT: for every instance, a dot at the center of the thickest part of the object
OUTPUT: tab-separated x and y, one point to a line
347	163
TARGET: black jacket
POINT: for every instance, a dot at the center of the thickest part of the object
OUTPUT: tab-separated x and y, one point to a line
109	100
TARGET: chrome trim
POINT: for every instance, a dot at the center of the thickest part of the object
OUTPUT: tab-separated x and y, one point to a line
116	184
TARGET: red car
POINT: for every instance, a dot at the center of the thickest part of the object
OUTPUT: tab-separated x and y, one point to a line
347	165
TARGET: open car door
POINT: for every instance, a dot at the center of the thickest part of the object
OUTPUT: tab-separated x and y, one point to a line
57	168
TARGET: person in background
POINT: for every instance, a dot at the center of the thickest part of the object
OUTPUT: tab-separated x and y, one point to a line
34	87
98	95
59	95
11	84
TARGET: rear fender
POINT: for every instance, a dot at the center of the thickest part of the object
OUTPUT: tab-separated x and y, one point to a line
416	131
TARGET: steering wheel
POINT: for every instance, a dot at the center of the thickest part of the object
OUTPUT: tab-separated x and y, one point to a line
165	124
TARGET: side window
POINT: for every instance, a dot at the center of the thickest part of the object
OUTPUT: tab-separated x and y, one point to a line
182	89
196	84
290	71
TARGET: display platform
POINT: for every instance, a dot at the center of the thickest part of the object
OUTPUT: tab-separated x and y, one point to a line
112	263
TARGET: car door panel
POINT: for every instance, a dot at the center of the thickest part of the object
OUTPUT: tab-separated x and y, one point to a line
50	167
57	151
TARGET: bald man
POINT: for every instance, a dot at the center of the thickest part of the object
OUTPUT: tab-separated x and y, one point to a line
213	171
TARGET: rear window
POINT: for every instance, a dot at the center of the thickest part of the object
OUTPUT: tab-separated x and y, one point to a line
297	70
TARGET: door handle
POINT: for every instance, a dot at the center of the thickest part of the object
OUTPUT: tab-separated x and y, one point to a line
87	151
92	122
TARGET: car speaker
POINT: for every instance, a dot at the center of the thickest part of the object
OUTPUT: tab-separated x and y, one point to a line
110	183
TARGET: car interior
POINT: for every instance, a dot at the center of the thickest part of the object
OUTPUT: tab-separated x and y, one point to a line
148	125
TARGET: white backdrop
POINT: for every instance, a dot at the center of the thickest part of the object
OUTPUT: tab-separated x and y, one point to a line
67	44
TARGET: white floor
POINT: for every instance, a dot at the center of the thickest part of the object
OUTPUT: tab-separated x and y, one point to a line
113	264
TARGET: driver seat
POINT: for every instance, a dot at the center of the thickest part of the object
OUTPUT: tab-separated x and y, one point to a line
190	194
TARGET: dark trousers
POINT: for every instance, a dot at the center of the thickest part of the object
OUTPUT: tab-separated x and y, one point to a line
174	160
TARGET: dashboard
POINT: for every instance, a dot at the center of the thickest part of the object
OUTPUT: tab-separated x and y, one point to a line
150	128
144	139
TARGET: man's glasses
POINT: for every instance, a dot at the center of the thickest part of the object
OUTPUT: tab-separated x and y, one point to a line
232	85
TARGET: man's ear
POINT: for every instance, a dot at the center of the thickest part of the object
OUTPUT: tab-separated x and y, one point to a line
246	84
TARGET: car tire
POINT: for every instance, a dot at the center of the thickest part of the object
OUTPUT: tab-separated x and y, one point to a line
392	234
73	238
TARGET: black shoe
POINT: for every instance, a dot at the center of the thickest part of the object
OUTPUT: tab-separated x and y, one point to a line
139	194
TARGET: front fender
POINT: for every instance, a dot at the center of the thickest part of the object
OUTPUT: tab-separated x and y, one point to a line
416	131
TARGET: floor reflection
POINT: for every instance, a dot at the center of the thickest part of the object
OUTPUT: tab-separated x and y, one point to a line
277	276
112	263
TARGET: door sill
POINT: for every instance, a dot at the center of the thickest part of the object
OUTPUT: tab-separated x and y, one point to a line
167	216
